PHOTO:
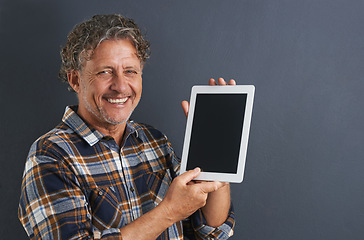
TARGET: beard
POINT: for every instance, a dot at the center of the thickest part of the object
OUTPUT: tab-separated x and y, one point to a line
100	113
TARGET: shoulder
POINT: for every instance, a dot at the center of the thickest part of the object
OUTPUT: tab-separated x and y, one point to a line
52	142
150	132
157	148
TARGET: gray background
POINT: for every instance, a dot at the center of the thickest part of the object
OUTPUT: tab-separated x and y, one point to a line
305	163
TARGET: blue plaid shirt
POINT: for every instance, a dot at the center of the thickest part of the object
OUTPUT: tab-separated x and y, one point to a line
78	184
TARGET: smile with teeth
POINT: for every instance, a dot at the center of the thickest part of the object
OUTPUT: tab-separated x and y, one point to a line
117	101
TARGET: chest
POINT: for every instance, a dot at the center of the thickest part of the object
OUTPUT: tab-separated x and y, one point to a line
121	185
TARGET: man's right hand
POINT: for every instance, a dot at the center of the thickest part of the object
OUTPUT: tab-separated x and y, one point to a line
185	196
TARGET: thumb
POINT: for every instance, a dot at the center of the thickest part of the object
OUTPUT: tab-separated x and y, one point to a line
189	175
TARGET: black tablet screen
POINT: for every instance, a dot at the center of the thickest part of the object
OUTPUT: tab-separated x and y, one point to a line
216	132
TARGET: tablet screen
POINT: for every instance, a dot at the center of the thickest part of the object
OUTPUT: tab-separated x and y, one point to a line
216	132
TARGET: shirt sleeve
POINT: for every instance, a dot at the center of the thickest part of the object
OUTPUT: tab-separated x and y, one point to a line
195	227
52	204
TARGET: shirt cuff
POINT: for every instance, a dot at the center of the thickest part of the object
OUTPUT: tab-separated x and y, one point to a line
204	231
112	233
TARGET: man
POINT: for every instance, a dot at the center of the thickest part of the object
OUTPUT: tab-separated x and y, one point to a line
99	175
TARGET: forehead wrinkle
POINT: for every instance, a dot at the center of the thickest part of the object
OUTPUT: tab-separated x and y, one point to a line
124	61
104	58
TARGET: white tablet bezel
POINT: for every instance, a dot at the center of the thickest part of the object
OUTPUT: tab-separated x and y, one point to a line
213	176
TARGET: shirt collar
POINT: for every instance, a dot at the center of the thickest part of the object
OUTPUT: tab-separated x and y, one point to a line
70	117
89	134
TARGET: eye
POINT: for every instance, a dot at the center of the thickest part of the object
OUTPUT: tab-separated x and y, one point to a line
104	74
131	72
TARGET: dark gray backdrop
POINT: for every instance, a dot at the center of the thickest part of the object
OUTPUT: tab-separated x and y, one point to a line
305	163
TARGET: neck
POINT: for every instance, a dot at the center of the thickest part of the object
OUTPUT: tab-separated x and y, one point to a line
115	131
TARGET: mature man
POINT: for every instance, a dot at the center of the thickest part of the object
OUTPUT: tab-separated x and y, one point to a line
99	175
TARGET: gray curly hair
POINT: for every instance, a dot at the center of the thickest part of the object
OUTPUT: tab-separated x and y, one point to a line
87	36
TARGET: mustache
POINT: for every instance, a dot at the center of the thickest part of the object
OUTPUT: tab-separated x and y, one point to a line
118	95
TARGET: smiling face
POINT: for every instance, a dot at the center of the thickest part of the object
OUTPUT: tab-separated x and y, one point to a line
109	86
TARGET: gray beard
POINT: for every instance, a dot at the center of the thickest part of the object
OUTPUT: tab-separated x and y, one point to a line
103	116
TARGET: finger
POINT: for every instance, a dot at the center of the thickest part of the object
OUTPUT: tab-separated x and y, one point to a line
189	175
218	184
212	82
221	82
185	107
221	184
208	187
191	183
232	82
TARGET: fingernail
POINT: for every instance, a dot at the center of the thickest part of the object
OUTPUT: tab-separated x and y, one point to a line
197	169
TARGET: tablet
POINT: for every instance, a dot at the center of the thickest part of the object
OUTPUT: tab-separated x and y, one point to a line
217	132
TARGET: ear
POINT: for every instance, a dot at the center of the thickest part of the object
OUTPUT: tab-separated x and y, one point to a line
141	67
74	80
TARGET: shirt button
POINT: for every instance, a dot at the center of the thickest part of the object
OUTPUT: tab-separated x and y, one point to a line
101	193
132	189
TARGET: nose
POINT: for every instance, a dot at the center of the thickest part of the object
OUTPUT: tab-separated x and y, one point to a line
119	83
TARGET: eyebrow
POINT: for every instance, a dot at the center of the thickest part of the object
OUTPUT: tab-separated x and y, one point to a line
133	67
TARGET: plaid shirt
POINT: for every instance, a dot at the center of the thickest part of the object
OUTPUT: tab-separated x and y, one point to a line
78	184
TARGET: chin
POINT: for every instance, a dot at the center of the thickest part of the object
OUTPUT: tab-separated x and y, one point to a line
115	120
116	116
